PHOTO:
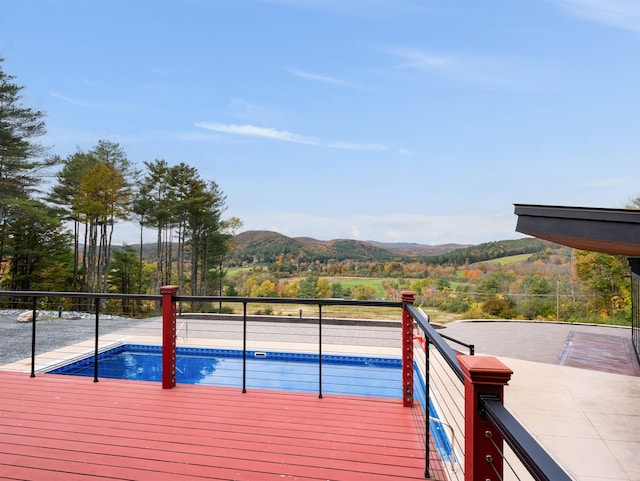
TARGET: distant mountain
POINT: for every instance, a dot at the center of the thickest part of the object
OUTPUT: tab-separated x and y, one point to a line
490	250
265	246
413	249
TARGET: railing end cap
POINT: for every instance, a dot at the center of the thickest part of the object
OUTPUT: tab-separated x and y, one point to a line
485	370
408	296
169	289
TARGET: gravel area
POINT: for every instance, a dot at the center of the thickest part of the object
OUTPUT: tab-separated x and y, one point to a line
51	332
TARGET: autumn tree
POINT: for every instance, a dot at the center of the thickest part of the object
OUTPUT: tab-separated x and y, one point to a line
607	276
94	190
291	289
323	288
102	198
64	195
363	292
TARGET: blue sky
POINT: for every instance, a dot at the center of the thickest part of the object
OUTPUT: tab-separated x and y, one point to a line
391	120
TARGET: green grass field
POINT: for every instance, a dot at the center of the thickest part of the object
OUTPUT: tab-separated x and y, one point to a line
507	261
237	270
351	282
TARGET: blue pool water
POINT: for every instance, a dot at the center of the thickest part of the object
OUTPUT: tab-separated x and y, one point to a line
437	430
351	375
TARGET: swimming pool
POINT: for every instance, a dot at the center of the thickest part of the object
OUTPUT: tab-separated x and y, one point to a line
350	375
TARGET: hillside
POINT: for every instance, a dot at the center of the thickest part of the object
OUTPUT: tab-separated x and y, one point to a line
265	246
490	250
413	249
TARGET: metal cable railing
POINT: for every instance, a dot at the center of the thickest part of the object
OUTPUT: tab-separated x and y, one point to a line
313	334
635	303
443	429
447	389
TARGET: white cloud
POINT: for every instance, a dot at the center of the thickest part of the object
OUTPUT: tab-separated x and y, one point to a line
618	13
321	78
406	152
358	8
197	137
111	106
284	135
77	103
502	72
255	131
353	146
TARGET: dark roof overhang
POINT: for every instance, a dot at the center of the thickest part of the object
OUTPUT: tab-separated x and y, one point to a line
612	231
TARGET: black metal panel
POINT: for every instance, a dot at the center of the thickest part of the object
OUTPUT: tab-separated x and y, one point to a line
634	262
580	213
612	231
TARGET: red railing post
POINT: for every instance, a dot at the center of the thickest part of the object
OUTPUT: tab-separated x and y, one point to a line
483	445
168	336
408	297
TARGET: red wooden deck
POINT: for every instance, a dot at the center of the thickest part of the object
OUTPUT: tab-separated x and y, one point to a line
68	428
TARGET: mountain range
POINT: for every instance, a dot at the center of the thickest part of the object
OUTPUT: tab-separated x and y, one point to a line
265	246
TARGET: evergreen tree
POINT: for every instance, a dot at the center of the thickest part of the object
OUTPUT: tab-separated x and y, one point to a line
38	241
123	276
22	168
154	197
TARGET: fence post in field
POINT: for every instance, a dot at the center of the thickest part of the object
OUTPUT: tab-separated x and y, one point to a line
483	452
408	297
168	336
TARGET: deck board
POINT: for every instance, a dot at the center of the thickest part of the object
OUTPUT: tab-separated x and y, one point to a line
66	427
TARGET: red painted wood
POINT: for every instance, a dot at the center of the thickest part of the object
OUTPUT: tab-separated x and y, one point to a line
408	297
483	375
168	336
64	427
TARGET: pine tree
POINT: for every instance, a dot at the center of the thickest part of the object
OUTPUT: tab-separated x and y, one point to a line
22	165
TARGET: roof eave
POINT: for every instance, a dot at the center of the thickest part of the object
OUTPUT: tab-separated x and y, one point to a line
612	231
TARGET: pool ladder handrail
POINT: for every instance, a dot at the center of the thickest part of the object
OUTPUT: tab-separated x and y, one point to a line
452	456
184	324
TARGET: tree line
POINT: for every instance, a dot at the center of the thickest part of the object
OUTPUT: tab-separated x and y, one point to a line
557	283
58	215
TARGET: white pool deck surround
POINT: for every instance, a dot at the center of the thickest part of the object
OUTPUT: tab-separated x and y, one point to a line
588	420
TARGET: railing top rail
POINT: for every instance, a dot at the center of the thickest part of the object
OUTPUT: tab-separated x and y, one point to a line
291	300
471	347
447	351
157	297
535	459
84	295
